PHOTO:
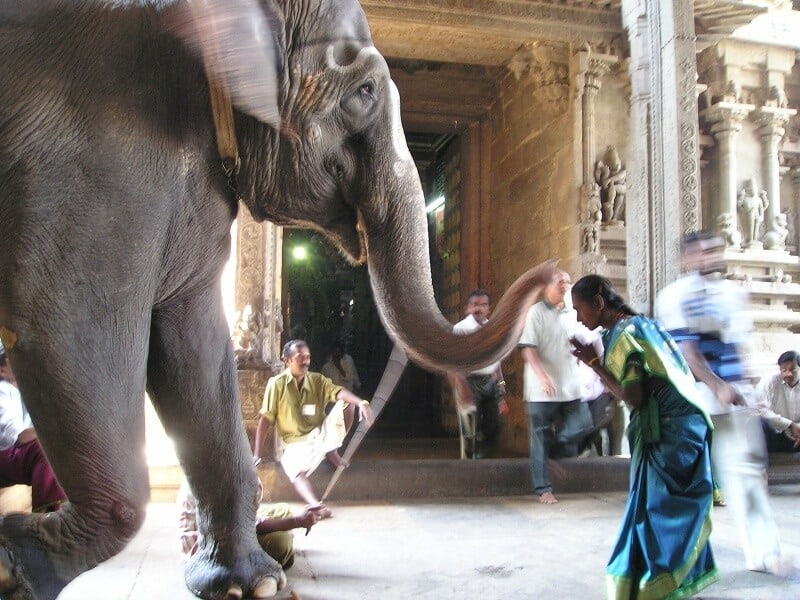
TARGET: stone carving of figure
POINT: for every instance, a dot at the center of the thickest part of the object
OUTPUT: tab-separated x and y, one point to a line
728	229
594	208
591	239
247	339
752	205
593	214
776	96
612	177
732	92
775	238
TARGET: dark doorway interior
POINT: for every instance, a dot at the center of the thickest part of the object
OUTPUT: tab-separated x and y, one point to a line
326	300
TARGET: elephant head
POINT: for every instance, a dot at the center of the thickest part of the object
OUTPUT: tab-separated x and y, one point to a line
341	165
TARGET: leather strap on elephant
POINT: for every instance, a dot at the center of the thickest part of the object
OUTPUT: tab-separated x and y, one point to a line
222	111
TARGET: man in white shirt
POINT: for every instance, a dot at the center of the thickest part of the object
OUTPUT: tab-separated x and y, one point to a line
706	315
779	404
340	368
480	415
552	384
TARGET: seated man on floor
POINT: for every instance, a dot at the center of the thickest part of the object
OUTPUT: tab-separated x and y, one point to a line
273	526
311	416
22	460
778	397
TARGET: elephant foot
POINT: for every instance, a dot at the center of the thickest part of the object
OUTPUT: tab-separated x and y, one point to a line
27	571
254	576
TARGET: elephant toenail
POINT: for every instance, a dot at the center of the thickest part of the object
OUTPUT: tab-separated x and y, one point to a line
266	589
234	593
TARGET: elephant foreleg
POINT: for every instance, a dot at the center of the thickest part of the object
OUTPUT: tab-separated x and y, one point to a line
192	383
88	409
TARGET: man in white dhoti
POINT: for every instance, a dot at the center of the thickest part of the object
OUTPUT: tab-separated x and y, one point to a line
311	416
706	315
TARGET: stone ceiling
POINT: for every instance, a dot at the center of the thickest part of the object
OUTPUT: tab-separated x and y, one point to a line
447	56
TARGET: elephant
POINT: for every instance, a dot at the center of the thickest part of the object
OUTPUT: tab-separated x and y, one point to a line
117	195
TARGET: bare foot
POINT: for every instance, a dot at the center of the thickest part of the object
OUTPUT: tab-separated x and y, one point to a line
548	498
336	460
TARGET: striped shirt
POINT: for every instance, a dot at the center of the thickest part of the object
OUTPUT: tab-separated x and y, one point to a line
710	312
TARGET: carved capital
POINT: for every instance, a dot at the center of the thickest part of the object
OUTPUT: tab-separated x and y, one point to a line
726	117
772	120
594	67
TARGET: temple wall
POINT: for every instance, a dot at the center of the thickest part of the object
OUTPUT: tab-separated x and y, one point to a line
533	199
611	118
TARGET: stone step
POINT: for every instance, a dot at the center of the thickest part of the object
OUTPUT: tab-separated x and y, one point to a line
444	478
376	479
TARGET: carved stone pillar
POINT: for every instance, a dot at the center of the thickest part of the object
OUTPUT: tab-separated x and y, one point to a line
771	122
592	67
259	257
726	123
663	185
795	175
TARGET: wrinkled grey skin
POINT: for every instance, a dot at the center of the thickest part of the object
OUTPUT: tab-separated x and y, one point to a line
114	228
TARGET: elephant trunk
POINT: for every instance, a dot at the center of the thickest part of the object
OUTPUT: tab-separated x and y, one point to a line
396	231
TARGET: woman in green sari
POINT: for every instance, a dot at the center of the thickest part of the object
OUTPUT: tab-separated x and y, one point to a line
662	550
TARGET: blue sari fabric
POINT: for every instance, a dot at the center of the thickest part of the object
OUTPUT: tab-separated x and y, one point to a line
662	550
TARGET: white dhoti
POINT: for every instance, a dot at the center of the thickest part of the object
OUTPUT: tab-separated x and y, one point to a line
739	461
306	454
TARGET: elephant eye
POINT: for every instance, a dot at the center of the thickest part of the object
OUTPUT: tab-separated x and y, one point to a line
367	90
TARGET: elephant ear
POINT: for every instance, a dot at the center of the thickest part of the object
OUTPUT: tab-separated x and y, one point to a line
237	41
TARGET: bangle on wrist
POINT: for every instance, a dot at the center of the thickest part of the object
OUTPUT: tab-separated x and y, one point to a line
363	403
593	360
501	382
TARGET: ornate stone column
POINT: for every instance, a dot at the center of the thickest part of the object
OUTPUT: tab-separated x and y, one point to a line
592	68
663	176
794	173
259	256
771	121
259	260
726	120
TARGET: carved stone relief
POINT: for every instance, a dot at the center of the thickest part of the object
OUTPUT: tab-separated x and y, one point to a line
612	180
256	335
752	205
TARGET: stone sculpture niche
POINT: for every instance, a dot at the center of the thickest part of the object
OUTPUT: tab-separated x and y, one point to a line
729	230
752	205
248	339
775	238
611	176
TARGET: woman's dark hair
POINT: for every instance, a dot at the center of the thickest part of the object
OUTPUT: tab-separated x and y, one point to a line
589	286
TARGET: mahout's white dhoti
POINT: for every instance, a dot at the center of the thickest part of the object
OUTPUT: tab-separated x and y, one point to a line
306	454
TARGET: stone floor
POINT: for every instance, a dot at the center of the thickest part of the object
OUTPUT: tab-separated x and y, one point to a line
449	548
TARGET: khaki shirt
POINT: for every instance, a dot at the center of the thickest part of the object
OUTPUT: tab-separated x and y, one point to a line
296	413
